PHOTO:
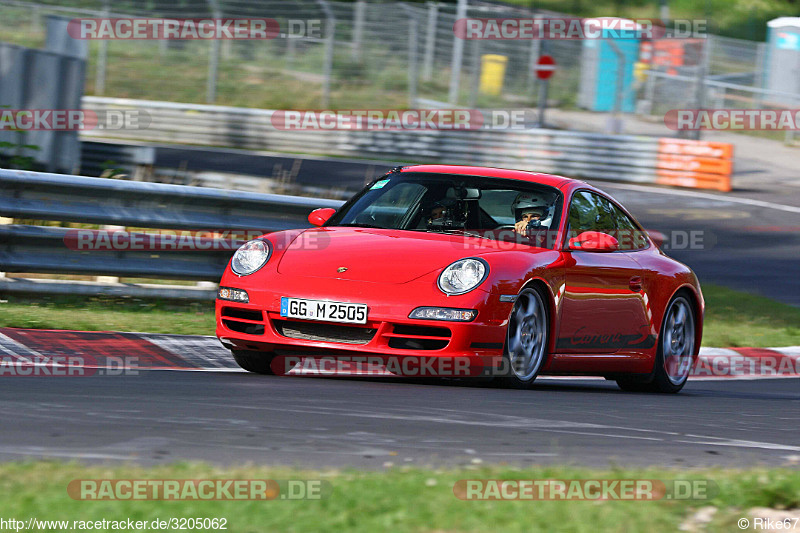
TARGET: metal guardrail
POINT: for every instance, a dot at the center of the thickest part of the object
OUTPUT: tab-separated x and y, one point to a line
55	197
575	154
151	205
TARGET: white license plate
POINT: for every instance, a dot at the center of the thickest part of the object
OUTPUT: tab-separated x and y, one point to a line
324	310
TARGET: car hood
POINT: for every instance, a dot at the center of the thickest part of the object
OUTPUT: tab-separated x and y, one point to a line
377	255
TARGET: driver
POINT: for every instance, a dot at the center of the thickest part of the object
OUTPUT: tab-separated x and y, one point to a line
438	211
445	213
529	210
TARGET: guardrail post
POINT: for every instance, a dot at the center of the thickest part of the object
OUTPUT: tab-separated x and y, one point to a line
533	57
700	83
650	90
476	74
458	56
788	138
109	279
615	123
760	65
358	29
36	19
290	46
213	61
412	57
719	97
330	32
430	41
102	58
5	221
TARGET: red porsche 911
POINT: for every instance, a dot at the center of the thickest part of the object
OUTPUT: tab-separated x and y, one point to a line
516	273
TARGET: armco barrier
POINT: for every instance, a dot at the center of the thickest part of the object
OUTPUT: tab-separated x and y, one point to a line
42	249
574	154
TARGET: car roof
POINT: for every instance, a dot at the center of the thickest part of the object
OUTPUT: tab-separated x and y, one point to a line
489	172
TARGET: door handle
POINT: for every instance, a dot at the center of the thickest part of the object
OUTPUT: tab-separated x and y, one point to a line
635	283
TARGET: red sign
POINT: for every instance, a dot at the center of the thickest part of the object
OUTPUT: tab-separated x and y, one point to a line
545	67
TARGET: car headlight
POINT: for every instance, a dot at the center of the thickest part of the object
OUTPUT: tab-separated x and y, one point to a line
463	276
443	313
250	257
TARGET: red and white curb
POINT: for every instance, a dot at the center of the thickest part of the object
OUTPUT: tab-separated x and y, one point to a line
149	351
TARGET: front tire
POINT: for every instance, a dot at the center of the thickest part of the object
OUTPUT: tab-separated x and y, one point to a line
255	362
676	344
526	340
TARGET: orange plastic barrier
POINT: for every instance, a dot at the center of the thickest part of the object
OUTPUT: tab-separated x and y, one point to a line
697	164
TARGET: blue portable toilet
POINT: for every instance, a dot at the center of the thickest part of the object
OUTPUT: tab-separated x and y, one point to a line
783	58
599	65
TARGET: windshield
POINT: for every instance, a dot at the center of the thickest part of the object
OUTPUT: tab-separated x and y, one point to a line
491	208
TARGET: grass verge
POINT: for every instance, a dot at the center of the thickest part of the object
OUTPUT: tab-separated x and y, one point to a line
397	499
107	314
733	318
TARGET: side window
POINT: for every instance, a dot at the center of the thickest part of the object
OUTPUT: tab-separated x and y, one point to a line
590	212
607	219
582	213
629	236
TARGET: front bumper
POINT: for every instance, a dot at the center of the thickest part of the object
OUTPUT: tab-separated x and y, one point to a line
257	325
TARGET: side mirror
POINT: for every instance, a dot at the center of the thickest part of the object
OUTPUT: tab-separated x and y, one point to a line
320	216
594	241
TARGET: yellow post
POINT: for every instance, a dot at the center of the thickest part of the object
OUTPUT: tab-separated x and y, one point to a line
493	71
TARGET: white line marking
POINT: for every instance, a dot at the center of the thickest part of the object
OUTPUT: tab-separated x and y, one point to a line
74	455
6	340
721	441
695	194
609	435
710	352
789	351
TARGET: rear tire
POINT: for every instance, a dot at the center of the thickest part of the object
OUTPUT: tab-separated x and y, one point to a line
526	340
676	342
255	362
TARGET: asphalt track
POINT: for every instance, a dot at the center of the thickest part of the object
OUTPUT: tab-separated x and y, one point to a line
164	416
